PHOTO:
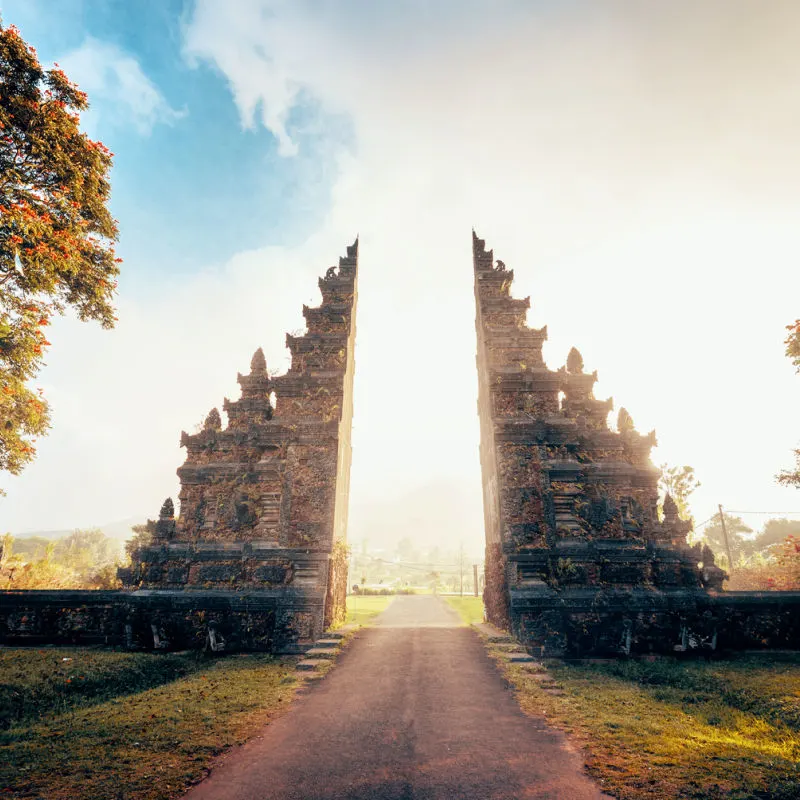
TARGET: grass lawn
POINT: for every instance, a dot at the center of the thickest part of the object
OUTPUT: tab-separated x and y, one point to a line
469	607
82	723
679	729
362	608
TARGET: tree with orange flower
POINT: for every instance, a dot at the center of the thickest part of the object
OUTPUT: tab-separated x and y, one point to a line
56	233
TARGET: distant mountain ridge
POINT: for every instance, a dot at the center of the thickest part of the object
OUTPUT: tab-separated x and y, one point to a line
120	529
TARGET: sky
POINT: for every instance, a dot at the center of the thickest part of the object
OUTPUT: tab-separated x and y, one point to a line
636	163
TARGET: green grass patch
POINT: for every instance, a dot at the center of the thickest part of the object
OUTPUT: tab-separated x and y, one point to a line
361	609
125	740
469	607
678	729
35	683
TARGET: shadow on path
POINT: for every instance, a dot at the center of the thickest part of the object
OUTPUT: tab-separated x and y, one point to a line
413	709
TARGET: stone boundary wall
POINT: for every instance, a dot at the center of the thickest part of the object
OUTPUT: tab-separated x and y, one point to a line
281	621
581	622
573	623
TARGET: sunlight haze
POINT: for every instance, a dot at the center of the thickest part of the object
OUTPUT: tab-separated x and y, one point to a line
636	165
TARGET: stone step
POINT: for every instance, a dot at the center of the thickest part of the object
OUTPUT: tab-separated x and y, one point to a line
493	634
518	657
507	646
322	652
328	643
309	664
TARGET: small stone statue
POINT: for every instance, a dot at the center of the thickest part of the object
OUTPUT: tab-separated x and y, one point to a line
501	266
331	273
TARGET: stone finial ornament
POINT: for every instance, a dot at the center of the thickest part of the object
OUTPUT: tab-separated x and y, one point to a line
624	421
575	362
167	509
670	509
258	364
213	421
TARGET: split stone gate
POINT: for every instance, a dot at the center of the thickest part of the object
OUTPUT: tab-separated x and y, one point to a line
577	560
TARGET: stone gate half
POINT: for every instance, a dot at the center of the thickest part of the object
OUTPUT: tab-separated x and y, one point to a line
264	501
577	560
256	560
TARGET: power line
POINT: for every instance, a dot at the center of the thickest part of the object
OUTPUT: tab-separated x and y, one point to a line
735	511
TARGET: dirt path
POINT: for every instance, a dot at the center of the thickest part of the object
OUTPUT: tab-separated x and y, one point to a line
414	709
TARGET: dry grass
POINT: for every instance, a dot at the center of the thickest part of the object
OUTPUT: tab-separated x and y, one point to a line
671	729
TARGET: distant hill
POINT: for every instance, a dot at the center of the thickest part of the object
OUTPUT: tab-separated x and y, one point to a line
441	513
121	530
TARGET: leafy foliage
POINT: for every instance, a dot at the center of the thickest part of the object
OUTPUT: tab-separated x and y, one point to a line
679	483
793	343
789	556
770	561
775	532
791	477
56	233
142	536
86	559
715	537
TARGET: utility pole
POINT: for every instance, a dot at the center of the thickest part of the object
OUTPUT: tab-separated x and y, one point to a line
475	578
725	536
461	569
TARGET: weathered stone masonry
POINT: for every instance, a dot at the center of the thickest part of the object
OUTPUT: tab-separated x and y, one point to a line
577	560
257	557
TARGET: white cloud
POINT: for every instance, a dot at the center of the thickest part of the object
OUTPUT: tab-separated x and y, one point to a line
120	91
637	166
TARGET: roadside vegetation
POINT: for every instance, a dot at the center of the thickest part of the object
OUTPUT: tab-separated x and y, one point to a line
84	559
361	609
82	723
725	729
470	608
